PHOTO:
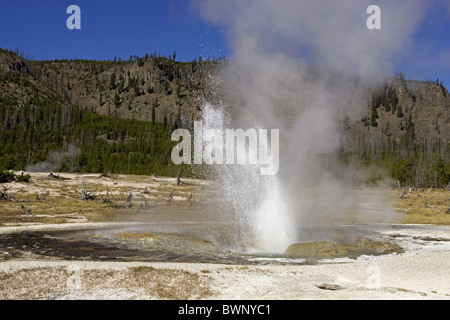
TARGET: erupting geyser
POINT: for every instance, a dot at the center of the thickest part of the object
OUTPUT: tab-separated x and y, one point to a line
254	202
301	67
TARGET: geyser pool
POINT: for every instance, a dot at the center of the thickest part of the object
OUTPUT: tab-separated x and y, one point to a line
188	242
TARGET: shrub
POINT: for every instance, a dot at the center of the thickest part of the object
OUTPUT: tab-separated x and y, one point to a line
23	178
6	176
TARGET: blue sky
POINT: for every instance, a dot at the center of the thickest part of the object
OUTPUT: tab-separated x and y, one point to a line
108	29
431	44
120	28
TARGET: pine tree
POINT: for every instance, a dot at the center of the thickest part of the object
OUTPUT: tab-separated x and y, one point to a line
165	121
155	105
112	82
400	112
153	113
116	100
373	118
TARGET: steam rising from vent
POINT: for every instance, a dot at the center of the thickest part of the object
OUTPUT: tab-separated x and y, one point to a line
54	160
300	67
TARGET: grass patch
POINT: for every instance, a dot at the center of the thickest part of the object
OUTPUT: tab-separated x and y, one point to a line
51	282
171	284
58	200
33	283
424	206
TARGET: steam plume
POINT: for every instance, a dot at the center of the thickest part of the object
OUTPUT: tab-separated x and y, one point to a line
301	67
54	160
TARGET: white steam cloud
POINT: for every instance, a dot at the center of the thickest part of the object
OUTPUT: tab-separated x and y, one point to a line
54	160
301	67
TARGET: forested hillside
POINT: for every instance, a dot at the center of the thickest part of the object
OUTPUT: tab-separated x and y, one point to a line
39	128
406	133
117	116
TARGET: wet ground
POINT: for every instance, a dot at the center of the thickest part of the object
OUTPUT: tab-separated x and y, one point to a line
146	242
192	242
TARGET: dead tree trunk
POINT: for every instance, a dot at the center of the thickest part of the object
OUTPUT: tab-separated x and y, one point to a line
4	195
178	178
25	210
86	195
